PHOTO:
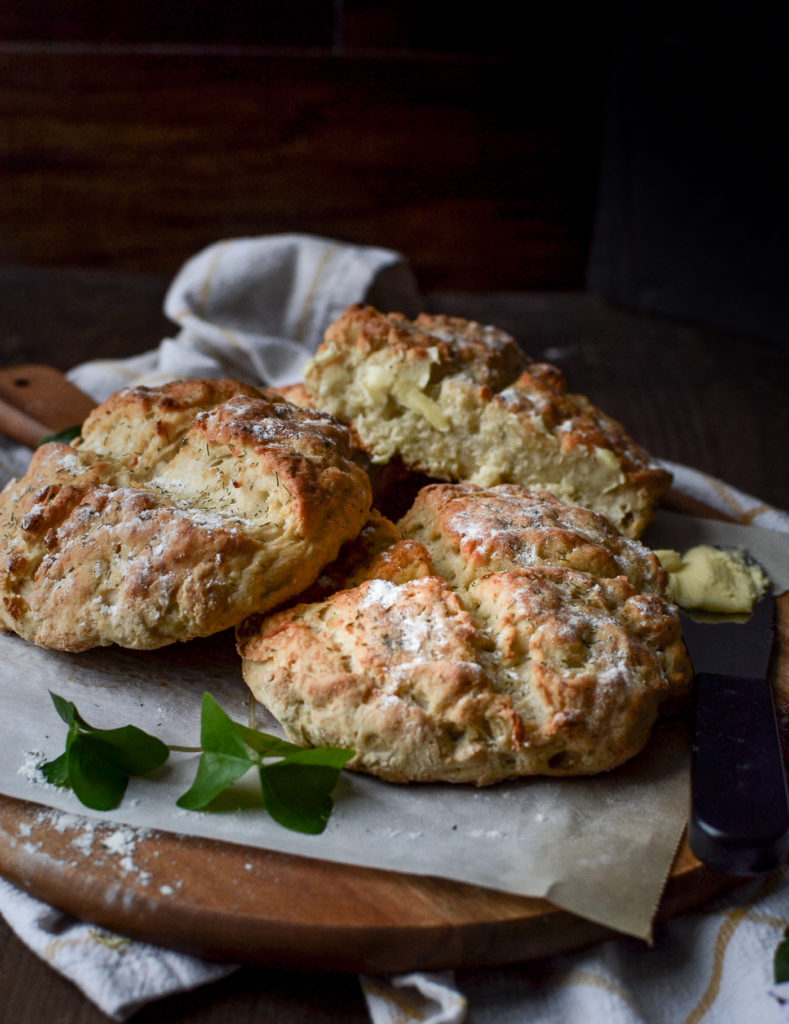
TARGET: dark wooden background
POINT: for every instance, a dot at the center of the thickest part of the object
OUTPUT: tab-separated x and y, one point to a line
634	148
135	133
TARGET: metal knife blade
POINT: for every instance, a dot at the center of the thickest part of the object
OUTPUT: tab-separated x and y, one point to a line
739	821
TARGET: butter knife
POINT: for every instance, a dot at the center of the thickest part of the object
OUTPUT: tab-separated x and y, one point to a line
739	820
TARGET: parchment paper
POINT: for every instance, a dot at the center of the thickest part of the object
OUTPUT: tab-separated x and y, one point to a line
599	847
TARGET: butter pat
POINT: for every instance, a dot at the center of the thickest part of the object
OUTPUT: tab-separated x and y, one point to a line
713	580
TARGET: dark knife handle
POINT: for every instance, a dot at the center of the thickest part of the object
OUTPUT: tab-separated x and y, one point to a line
739	819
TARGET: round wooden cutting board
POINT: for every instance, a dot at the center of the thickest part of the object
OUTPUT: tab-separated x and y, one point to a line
235	903
239	904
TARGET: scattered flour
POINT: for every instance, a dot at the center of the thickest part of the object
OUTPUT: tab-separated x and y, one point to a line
104	843
380	592
30	769
122	841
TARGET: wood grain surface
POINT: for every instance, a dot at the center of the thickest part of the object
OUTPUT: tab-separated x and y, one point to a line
235	903
37	400
438	158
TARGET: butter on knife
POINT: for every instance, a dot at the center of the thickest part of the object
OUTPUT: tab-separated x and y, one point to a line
713	579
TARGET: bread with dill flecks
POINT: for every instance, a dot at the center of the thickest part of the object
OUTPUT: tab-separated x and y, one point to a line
460	401
180	511
502	634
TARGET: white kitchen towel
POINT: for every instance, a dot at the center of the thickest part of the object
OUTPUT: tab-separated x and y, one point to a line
255	309
733	503
115	973
710	967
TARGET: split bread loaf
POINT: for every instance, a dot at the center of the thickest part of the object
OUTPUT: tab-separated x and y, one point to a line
494	633
180	511
459	401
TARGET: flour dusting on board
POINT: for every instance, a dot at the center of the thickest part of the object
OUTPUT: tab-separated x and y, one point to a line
106	844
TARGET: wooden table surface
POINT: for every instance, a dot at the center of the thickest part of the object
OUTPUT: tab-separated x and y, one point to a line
690	394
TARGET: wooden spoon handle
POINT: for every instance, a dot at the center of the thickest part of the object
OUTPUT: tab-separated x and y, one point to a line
37	400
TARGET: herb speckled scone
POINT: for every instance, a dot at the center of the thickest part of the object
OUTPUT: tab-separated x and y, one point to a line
459	401
505	634
182	510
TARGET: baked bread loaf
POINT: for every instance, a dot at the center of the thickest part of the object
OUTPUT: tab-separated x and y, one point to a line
180	511
459	401
505	634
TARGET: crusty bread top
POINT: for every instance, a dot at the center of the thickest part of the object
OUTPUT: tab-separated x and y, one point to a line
144	426
181	510
487	355
457	400
503	634
470	531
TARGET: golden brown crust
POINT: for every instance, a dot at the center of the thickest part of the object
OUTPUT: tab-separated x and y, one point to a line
543	389
471	531
504	634
145	425
297	393
394	485
182	510
489	356
459	401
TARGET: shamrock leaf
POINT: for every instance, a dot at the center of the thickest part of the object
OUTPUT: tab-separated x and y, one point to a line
296	784
781	961
224	760
97	763
63	436
296	789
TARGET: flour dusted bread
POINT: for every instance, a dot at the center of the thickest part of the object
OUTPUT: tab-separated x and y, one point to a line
503	634
180	511
459	401
470	531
